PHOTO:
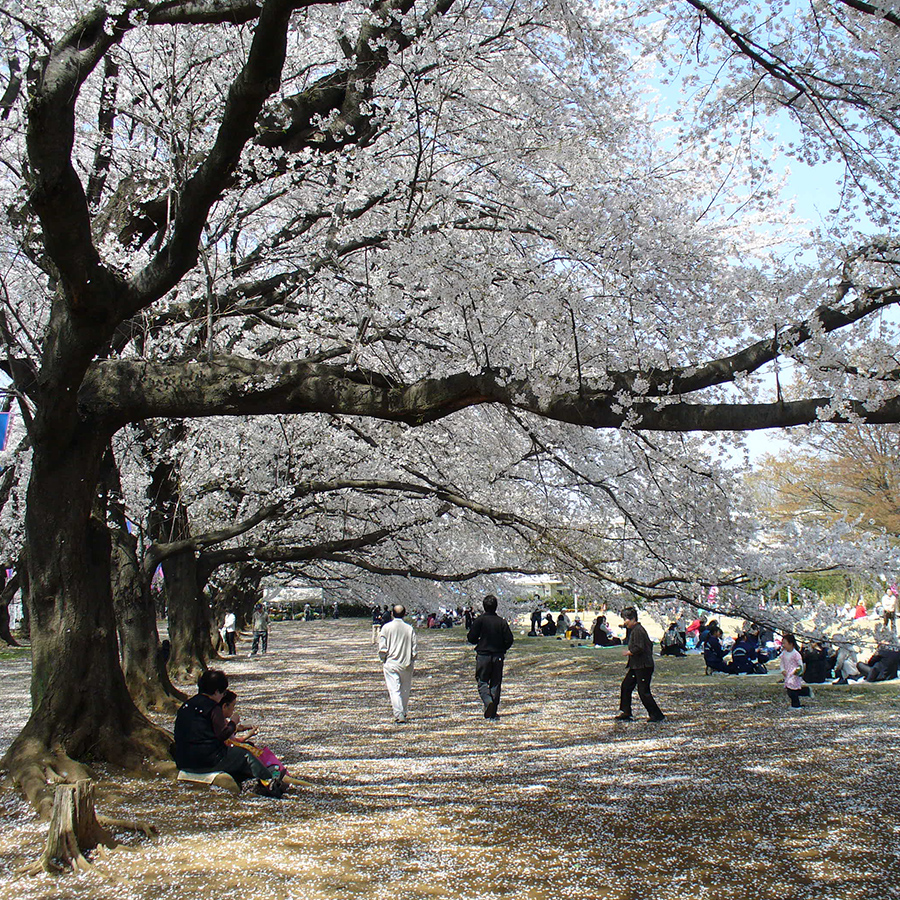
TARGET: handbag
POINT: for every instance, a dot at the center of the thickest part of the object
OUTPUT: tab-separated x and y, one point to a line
263	754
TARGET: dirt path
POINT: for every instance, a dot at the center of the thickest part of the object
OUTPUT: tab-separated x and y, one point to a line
733	797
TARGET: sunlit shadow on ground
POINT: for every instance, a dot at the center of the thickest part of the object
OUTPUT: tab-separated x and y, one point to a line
733	797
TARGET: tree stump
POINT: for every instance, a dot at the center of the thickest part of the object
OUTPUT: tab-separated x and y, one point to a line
73	829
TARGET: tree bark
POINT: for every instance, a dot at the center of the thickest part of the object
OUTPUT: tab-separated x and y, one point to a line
121	391
143	664
6	595
190	627
80	703
141	652
73	829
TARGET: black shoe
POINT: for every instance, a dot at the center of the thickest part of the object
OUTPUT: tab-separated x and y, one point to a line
623	717
490	711
659	718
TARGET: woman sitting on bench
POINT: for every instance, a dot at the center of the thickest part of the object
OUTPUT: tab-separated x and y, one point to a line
201	732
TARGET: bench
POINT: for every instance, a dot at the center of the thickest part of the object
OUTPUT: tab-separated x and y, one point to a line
210	779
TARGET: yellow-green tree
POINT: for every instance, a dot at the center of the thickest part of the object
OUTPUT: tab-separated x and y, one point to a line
850	472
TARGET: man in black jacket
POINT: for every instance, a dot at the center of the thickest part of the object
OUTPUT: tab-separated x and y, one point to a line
639	669
492	637
883	665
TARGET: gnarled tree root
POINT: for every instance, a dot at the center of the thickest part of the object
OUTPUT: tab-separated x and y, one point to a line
37	764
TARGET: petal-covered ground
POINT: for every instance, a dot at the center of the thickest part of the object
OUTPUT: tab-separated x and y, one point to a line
733	797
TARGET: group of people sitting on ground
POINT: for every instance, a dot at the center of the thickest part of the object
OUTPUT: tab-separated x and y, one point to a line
748	657
561	627
822	662
752	649
206	739
882	665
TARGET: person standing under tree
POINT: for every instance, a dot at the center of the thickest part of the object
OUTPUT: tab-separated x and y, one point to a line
229	626
377	622
889	608
260	629
639	669
492	637
397	650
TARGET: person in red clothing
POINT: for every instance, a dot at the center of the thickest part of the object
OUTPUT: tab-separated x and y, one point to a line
692	632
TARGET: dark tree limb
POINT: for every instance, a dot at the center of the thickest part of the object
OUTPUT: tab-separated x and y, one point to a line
121	391
57	194
259	78
215	12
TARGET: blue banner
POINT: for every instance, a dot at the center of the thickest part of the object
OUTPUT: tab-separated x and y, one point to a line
4	429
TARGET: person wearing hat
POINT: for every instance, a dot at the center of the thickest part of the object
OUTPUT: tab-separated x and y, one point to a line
639	669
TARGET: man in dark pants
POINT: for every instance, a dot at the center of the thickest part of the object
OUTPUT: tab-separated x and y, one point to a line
883	665
492	637
639	669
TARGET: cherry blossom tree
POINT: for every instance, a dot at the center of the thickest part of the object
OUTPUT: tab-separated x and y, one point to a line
385	211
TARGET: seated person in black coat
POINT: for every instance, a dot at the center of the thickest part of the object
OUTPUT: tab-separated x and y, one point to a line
548	629
713	654
743	656
201	732
882	666
601	634
817	663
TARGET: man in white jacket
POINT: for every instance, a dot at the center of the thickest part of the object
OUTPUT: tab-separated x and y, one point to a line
397	651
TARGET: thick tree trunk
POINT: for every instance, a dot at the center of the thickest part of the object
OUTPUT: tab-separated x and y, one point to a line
81	708
6	595
141	652
145	669
190	628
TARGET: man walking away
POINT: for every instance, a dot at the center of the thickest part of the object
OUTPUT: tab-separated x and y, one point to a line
492	637
397	652
639	669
